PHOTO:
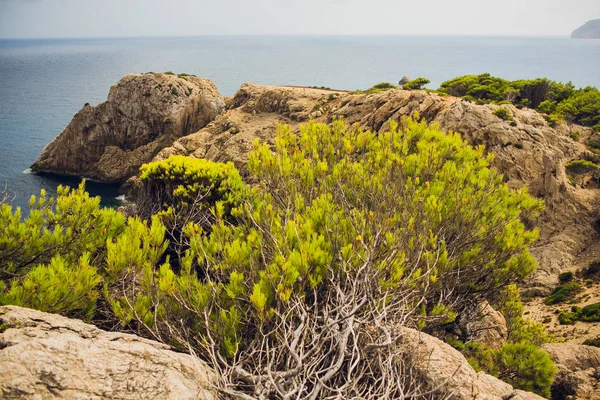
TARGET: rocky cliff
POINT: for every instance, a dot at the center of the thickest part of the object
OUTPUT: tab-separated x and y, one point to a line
589	30
143	114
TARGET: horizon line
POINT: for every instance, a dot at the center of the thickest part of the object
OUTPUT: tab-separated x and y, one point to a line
456	35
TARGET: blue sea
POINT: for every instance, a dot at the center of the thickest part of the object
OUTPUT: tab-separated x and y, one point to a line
44	82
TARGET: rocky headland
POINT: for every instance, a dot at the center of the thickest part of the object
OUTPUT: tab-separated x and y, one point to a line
589	30
143	114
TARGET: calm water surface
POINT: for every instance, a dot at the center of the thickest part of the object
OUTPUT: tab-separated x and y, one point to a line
44	82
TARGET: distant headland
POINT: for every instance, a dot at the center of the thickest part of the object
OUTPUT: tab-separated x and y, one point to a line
589	30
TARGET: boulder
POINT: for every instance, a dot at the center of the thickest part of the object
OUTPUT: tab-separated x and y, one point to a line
439	366
578	374
144	114
480	323
46	356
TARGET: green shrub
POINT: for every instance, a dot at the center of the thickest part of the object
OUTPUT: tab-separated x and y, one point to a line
583	107
583	168
592	342
526	367
563	293
557	100
338	218
565	277
594	144
67	226
384	85
49	259
416	84
590	313
504	114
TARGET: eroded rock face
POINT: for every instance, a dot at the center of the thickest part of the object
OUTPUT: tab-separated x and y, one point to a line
46	356
578	374
440	366
144	113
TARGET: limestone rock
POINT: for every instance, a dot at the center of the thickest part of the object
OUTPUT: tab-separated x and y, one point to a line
46	356
438	365
480	323
578	374
144	113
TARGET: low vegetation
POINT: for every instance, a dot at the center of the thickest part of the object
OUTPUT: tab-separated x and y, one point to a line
559	101
583	169
563	293
297	284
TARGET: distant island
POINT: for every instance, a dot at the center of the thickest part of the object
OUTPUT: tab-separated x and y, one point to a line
590	30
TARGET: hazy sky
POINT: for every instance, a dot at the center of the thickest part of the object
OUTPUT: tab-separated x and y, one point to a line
93	18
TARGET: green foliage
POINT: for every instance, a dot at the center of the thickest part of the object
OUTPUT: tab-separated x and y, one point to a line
504	114
175	187
565	277
563	293
384	85
592	342
526	367
68	226
519	328
47	260
583	107
558	100
313	215
58	287
583	168
416	84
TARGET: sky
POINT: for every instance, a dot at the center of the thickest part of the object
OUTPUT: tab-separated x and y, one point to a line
132	18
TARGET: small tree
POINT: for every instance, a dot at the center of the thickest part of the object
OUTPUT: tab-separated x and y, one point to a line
416	84
583	168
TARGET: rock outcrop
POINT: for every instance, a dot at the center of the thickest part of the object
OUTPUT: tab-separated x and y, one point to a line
144	114
578	374
437	365
46	356
589	30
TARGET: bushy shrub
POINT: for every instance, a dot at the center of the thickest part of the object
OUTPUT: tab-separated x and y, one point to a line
183	190
384	85
583	168
47	260
526	367
563	293
559	101
565	277
340	222
592	342
503	114
416	84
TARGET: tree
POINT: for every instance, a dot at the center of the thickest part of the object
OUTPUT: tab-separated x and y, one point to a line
346	237
583	168
416	84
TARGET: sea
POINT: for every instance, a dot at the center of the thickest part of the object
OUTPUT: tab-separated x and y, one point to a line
43	83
